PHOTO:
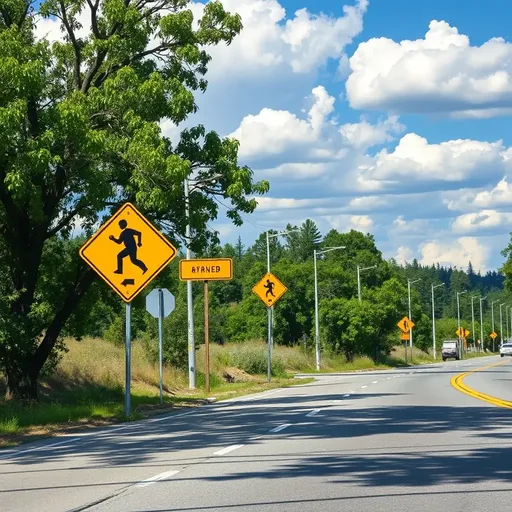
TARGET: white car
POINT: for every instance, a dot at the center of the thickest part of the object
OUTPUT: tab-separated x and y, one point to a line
506	349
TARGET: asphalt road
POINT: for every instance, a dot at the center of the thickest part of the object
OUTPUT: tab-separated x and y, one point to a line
396	440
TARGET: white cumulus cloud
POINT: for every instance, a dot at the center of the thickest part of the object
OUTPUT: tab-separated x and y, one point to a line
452	161
403	255
364	135
441	73
484	220
458	253
498	196
271	41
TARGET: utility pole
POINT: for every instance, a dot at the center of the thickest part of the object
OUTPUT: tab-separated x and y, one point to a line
317	321
409	283
434	320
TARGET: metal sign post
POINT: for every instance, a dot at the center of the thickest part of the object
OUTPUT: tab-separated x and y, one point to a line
128	360
206	269
206	340
160	340
160	303
127	252
269	289
269	355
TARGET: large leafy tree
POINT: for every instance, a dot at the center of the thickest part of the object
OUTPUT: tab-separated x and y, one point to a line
80	135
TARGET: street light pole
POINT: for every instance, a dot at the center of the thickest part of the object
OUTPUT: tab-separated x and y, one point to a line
481	325
506	314
359	270
190	299
473	315
458	316
409	283
501	323
492	322
270	311
434	320
317	321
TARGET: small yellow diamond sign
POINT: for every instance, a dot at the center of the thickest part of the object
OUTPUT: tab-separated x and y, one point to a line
128	252
462	332
269	289
493	335
405	325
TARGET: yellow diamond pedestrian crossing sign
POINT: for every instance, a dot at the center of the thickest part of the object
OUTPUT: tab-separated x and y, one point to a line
269	289
128	252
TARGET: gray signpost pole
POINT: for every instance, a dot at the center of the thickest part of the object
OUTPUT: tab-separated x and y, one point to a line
160	338
128	362
269	355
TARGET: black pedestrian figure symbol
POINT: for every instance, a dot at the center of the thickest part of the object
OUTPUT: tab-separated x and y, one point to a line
406	325
270	288
127	237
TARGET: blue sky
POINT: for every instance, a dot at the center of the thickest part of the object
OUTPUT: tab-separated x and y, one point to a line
355	127
392	117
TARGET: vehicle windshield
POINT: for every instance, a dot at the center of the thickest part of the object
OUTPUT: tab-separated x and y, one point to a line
449	344
507	345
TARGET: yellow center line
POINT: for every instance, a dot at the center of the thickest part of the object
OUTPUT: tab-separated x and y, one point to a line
458	383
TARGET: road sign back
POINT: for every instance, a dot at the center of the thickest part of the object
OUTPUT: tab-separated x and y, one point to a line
128	252
405	325
269	289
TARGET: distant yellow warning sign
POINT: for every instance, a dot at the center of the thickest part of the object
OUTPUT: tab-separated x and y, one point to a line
462	332
128	252
269	289
493	335
405	325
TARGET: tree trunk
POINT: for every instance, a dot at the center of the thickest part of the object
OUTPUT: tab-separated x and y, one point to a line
22	383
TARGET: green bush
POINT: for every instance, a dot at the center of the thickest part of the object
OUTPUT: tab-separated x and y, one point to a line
252	358
115	332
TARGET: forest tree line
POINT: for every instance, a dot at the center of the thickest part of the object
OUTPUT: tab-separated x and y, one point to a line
347	326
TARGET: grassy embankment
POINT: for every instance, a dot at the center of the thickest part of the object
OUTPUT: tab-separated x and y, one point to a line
88	386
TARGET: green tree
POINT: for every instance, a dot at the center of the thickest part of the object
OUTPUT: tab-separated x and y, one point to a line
302	241
80	135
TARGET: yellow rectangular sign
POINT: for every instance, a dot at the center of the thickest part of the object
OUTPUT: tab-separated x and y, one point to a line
206	269
405	336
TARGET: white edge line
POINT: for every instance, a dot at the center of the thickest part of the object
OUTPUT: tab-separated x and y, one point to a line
37	448
228	449
280	427
157	478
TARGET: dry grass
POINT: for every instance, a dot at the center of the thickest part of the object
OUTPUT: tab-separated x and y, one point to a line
97	362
